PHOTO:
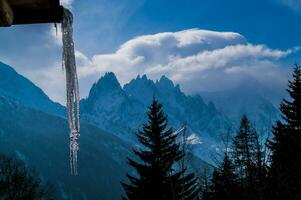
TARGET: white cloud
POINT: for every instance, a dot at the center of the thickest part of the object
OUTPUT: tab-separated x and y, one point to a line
51	79
196	59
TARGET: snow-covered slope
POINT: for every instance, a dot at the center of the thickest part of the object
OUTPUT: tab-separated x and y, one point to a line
108	104
109	107
123	110
181	109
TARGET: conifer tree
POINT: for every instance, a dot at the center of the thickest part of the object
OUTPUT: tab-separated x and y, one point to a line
248	159
285	169
205	184
17	182
157	175
244	148
224	181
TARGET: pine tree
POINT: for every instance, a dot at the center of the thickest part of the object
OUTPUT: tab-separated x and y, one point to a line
158	178
224	182
17	182
260	176
285	169
248	159
244	148
205	184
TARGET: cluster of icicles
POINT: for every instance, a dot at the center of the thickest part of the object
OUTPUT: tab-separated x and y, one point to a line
72	88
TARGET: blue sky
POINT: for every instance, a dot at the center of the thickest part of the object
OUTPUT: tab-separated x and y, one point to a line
268	22
102	26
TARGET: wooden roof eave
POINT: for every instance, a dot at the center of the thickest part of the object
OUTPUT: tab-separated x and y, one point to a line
30	12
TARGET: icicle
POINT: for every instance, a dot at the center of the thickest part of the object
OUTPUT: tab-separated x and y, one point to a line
72	88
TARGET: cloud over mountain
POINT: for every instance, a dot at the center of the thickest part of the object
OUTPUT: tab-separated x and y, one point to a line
101	27
193	58
198	60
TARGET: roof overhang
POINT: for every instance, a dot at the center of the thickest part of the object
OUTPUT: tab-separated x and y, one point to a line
30	12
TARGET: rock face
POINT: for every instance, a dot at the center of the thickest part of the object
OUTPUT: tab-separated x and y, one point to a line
108	106
123	110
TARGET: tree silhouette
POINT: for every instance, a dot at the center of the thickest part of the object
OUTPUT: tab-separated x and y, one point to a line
19	183
158	176
244	149
248	160
285	173
224	181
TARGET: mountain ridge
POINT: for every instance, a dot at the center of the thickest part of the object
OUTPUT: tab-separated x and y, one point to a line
122	111
44	146
141	91
17	87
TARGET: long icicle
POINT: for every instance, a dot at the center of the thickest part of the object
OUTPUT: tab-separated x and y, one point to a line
72	88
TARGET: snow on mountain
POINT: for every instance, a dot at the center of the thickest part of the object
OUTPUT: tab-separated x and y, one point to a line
123	110
22	90
109	102
180	108
109	107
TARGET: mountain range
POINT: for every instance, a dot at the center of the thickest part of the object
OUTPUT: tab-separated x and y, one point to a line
34	128
38	135
122	110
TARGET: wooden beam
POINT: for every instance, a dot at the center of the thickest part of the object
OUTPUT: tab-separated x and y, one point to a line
13	12
33	4
6	14
34	16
